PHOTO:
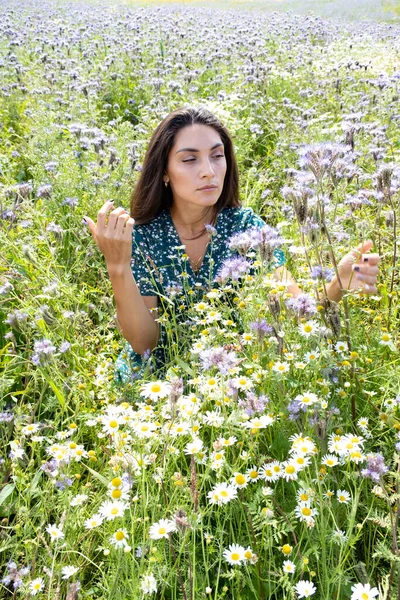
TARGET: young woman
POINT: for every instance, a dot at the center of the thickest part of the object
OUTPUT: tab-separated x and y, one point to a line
187	198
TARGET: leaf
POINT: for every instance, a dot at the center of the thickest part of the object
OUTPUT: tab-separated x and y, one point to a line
60	396
97	475
34	485
6	491
185	367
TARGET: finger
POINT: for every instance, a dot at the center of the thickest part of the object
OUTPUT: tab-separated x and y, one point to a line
366	268
113	217
371	259
121	221
128	227
370	289
102	214
91	226
370	279
363	247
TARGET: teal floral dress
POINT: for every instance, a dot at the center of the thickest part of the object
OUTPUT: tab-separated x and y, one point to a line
160	269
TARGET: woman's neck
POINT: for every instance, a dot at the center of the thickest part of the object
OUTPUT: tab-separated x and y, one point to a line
191	220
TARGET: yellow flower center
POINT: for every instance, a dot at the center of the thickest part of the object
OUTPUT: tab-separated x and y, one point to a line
235	556
116	494
119	535
113	424
116	482
162	530
306	511
156	387
240	479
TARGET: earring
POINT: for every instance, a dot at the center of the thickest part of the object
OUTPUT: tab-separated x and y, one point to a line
166	183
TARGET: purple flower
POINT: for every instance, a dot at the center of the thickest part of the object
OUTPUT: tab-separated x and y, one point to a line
44	191
375	467
218	357
65	346
253	404
43	349
262	329
303	305
320	273
233	268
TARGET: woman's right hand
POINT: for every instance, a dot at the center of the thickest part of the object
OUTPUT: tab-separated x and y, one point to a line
114	239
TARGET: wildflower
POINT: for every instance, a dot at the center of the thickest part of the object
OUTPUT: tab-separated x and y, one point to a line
271	471
307	399
30	429
161	529
343	496
290	470
218	357
308	328
303	305
304	589
148	584
310	356
55	532
222	493
119	538
288	567
234	555
320	273
304	512
287	549
233	268
93	522
341	347
79	499
36	586
253	474
281	367
363	592
259	422
194	447
112	509
339	537
68	572
386	339
252	404
240	480
375	467
155	390
329	460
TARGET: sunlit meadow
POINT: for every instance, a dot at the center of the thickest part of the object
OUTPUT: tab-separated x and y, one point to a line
264	461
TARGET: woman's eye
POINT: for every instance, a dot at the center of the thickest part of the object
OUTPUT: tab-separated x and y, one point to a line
216	156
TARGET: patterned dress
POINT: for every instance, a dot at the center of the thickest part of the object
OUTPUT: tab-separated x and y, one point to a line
160	269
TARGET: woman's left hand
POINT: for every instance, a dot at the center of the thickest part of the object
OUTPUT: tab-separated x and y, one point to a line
358	269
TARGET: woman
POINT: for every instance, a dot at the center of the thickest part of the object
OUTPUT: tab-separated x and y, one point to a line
187	197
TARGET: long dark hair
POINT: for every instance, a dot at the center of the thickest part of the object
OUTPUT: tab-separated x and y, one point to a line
150	195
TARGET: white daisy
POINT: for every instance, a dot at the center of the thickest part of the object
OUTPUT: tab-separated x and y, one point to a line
68	572
119	539
304	589
36	586
148	584
288	566
93	522
234	555
79	499
112	509
222	493
161	529
308	328
55	532
155	390
363	592
343	497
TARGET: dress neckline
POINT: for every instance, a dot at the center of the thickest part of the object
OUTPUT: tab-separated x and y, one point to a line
195	274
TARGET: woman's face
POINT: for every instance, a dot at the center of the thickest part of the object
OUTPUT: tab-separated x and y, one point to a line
197	159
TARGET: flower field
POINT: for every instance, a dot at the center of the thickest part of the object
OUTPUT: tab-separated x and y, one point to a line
263	462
